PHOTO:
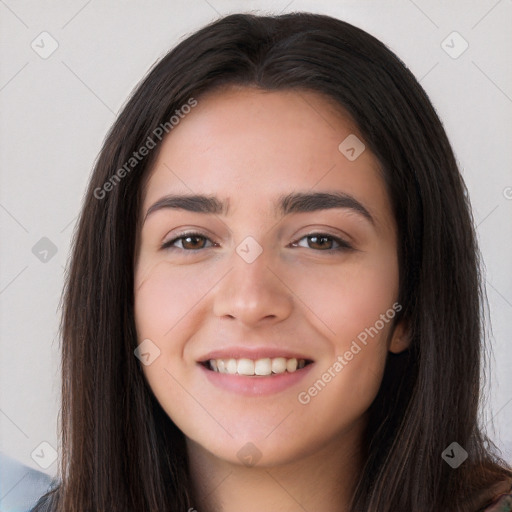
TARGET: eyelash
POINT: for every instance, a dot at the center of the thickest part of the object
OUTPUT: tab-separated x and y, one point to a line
343	245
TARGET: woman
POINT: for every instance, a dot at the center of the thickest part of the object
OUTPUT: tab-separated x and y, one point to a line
274	296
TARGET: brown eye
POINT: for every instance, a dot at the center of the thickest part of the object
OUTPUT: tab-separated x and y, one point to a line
189	242
317	241
323	242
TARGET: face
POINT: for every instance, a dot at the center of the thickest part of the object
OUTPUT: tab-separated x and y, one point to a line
267	314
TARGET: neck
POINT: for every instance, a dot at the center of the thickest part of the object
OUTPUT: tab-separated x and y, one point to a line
323	481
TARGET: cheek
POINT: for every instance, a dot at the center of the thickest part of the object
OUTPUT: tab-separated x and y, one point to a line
355	306
346	300
338	395
164	296
169	302
164	300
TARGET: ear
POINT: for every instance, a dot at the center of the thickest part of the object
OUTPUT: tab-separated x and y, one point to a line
400	340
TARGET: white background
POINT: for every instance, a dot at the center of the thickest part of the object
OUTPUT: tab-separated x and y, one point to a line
55	113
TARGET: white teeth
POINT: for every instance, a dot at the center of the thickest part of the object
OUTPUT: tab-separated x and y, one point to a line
245	367
231	366
279	365
291	365
265	366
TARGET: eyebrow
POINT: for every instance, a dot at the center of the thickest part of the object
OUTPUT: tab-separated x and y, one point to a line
295	202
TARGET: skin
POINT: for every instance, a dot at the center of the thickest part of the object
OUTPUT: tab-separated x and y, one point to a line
249	146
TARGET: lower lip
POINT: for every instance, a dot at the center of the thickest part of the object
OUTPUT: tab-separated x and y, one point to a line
256	385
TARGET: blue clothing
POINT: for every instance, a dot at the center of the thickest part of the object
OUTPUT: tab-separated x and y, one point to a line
20	486
45	504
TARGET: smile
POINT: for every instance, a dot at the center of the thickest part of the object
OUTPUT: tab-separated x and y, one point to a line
257	377
256	367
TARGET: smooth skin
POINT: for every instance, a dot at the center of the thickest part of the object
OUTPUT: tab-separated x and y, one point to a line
248	147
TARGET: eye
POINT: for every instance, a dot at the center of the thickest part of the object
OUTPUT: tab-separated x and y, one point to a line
323	242
189	242
193	241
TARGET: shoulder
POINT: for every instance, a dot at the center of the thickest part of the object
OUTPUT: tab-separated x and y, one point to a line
46	503
500	499
20	485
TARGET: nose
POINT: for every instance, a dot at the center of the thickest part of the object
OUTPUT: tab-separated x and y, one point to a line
254	293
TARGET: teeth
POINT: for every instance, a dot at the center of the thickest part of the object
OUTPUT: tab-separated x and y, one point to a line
263	367
279	365
266	366
291	365
245	367
231	366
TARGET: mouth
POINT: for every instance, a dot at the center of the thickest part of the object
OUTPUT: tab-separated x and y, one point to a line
255	371
263	367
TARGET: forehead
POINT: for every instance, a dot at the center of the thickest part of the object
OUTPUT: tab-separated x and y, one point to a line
249	146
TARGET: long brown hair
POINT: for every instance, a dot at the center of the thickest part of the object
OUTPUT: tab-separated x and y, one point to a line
120	451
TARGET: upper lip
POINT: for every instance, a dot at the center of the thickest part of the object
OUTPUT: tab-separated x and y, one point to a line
254	353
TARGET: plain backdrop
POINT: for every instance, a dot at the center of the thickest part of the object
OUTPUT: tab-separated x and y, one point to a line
56	109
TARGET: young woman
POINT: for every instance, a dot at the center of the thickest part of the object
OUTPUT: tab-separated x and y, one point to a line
274	298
